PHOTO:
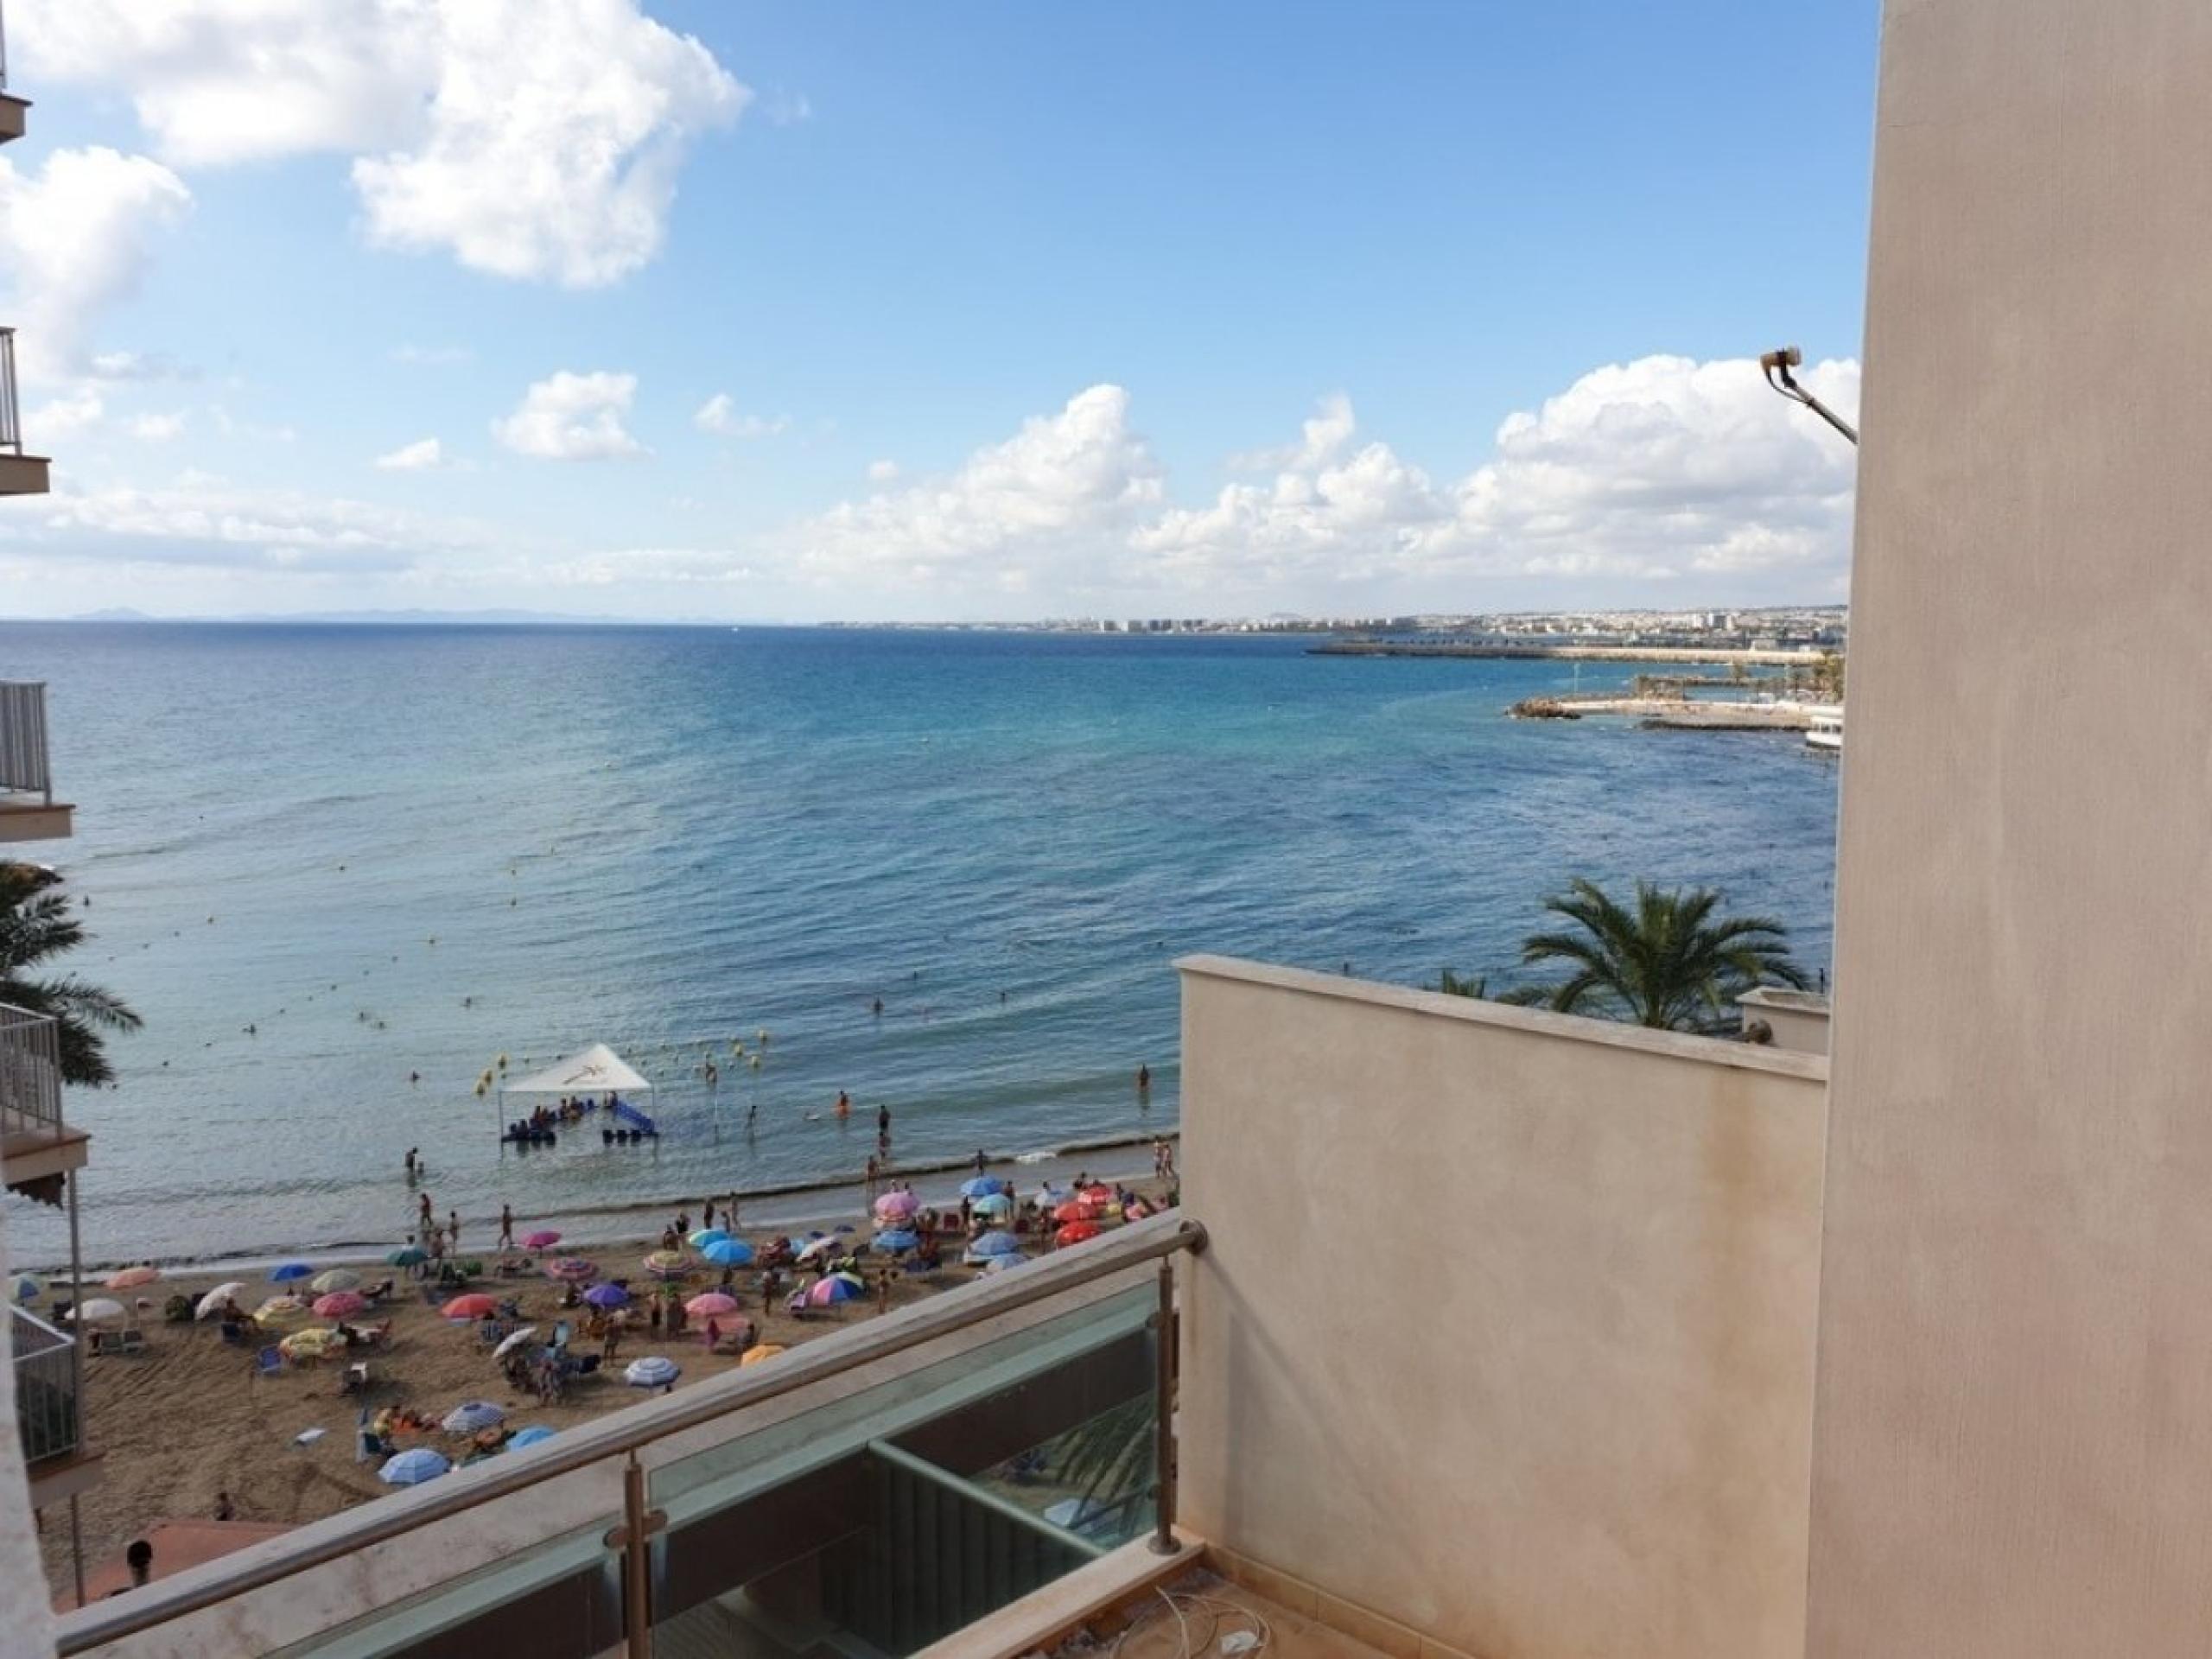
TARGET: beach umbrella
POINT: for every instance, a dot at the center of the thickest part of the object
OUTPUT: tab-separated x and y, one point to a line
337	1279
473	1305
754	1355
571	1270
280	1309
1097	1192
407	1255
979	1186
131	1278
896	1206
313	1344
653	1371
22	1288
340	1304
710	1303
541	1240
668	1264
994	1204
285	1271
706	1236
470	1415
98	1311
728	1253
513	1340
212	1303
1075	1210
537	1433
897	1240
607	1296
836	1287
993	1244
412	1468
820	1247
1075	1231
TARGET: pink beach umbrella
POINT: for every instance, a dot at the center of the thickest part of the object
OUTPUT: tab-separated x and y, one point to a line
572	1271
473	1306
340	1304
710	1303
541	1240
837	1287
131	1278
896	1206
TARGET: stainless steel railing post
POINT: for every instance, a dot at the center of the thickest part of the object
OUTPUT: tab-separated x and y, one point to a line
1163	1406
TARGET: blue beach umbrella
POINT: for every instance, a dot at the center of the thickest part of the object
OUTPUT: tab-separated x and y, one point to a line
413	1468
993	1204
536	1433
607	1296
286	1272
897	1239
652	1372
980	1186
407	1255
991	1244
728	1253
706	1236
470	1415
23	1288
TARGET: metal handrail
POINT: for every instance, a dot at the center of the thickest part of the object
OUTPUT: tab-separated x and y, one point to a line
25	765
1154	1239
11	420
30	1069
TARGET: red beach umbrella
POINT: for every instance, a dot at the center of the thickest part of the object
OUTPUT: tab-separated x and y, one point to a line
1075	1231
473	1305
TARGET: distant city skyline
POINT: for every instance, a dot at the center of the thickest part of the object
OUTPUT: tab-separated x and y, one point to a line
907	314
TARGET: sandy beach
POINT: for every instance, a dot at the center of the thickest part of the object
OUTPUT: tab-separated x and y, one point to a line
189	1419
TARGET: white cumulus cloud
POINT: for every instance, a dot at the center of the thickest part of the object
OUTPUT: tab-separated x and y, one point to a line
719	414
1036	512
423	455
536	139
571	416
78	234
882	471
158	429
206	522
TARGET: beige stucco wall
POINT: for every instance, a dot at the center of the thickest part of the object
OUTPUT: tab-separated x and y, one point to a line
1505	1328
2014	1444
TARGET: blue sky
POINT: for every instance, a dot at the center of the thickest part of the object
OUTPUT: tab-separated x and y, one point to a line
1016	310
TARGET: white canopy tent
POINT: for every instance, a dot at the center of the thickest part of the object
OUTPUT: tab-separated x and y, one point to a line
597	1070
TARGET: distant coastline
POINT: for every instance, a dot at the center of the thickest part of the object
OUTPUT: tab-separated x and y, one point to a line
1768	658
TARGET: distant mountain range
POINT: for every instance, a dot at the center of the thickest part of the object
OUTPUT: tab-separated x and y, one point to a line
504	618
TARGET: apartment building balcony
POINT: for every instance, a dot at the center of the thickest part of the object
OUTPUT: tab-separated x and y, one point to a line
12	109
48	1419
27	808
38	1148
20	474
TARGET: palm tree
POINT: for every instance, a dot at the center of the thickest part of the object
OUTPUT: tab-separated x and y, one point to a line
1666	961
35	924
1475	985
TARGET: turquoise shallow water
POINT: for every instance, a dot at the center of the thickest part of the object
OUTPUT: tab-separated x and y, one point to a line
670	838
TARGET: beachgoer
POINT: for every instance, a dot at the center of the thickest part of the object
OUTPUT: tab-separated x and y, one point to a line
225	1510
878	1007
707	1215
1144	1080
140	1558
982	1163
684	1221
713	1334
506	1227
423	1204
453	1228
874	1174
729	1213
751	1111
883	1122
410	1163
844	1105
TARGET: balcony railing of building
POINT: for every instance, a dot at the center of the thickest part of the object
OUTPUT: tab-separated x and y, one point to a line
24	768
30	1072
889	1482
45	1388
11	420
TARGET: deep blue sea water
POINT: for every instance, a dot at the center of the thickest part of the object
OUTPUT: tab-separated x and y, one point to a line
395	849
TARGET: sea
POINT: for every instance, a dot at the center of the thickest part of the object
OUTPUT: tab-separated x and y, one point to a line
344	872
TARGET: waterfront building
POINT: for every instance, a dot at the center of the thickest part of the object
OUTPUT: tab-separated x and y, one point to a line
49	1460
